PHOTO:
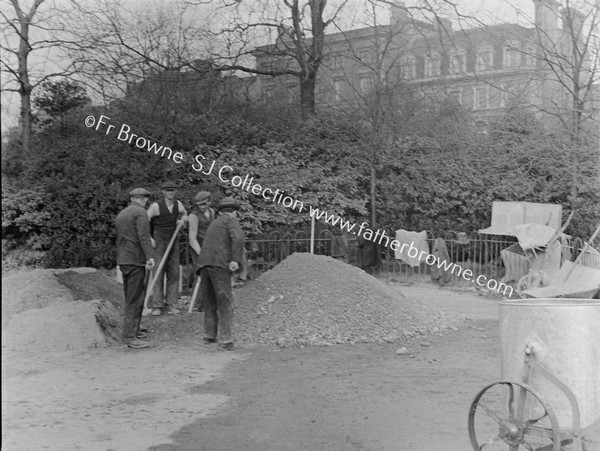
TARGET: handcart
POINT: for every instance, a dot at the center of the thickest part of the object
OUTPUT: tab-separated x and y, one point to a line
548	397
573	279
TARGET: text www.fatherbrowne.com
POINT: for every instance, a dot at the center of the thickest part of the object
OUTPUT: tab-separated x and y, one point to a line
202	165
379	236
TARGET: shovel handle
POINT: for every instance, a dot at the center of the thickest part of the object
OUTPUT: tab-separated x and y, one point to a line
161	265
194	294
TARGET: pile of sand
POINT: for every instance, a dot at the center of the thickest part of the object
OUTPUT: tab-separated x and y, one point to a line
317	300
47	310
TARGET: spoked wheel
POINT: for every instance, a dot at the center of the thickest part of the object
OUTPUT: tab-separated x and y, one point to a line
513	414
528	282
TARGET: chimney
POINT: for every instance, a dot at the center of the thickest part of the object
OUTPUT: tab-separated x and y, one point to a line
546	15
572	20
398	12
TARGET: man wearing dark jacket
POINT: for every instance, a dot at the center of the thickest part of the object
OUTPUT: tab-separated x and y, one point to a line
198	221
221	253
134	257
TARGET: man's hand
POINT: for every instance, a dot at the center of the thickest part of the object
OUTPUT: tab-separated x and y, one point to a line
182	221
150	263
233	266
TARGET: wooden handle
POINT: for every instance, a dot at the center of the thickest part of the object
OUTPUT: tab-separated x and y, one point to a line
161	264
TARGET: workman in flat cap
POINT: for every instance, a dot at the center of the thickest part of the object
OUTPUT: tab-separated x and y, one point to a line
135	256
198	221
165	216
221	254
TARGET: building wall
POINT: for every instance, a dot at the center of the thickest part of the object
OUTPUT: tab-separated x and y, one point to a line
485	69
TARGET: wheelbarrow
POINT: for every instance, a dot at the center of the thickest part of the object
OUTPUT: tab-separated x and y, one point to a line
571	280
549	391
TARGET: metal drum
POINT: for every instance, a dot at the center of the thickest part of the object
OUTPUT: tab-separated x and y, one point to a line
565	337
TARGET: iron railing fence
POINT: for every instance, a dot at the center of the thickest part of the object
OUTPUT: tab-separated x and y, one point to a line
481	254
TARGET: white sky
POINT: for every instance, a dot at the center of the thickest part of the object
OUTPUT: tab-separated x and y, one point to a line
487	11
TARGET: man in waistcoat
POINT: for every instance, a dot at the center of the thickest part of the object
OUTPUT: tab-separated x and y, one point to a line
198	222
221	254
165	215
135	256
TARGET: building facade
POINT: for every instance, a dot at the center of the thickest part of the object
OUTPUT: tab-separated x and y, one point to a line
485	70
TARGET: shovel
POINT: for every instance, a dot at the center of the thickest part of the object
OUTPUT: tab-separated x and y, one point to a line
148	310
194	293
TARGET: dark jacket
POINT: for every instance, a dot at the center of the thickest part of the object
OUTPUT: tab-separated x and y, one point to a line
224	243
133	236
368	253
203	222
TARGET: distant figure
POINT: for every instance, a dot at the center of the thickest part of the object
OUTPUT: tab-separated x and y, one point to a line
164	216
222	253
134	257
369	257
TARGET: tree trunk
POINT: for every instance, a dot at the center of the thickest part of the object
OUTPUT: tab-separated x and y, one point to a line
25	87
307	95
373	193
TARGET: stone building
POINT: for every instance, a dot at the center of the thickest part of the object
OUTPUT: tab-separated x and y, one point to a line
484	69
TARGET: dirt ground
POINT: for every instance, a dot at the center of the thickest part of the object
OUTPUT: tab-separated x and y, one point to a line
181	394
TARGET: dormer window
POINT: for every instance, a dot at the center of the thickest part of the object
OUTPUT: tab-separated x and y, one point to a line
485	59
408	67
512	56
433	65
457	62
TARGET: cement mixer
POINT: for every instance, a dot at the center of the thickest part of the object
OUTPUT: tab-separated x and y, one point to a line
549	391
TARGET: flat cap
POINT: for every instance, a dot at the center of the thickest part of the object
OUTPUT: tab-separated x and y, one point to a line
169	184
139	192
202	196
227	202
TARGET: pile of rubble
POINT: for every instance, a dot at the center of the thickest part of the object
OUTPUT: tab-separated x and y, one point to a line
317	300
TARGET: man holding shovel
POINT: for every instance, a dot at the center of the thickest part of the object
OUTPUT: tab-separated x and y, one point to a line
135	259
221	254
198	222
165	215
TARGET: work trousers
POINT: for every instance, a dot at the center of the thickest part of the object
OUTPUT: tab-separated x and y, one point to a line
217	297
134	287
171	269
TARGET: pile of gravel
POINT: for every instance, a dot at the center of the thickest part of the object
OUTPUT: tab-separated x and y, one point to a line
317	300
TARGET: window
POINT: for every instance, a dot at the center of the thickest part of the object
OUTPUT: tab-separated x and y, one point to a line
457	63
365	83
432	66
365	56
408	67
337	61
480	97
531	55
485	59
337	91
456	95
512	56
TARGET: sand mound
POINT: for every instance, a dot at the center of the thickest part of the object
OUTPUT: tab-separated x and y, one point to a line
317	300
47	310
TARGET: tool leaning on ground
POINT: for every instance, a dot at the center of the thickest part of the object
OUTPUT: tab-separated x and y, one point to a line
194	294
147	310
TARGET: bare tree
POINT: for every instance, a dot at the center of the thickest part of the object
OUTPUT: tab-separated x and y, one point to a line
285	38
40	28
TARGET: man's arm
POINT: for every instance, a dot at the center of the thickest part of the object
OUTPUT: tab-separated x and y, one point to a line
193	232
153	210
142	224
183	216
237	240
